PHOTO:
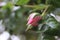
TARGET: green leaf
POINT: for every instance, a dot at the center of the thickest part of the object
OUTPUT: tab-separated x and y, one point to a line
53	27
42	27
52	23
22	2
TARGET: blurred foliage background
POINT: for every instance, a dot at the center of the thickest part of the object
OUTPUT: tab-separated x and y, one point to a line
15	13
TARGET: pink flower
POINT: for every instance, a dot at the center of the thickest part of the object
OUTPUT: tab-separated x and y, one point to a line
31	16
33	20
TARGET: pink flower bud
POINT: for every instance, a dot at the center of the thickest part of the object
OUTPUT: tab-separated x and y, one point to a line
34	21
31	16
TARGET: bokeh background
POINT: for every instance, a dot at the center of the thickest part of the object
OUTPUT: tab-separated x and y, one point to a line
14	14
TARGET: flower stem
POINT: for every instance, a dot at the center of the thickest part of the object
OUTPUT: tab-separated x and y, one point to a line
44	12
